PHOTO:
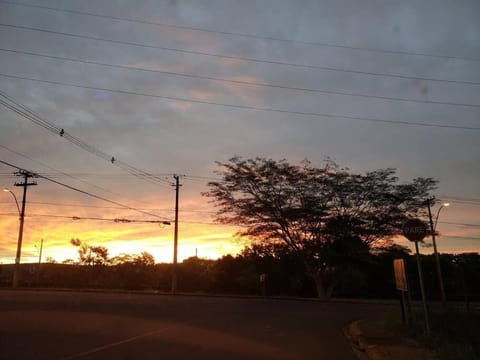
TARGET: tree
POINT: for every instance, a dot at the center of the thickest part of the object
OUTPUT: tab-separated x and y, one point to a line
144	259
328	216
89	254
50	260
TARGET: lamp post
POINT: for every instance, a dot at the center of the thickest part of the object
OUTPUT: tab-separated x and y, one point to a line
433	227
39	252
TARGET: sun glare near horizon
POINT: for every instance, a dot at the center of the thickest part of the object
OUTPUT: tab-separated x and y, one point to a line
205	241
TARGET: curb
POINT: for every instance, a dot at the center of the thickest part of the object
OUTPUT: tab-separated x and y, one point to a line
362	349
207	295
379	345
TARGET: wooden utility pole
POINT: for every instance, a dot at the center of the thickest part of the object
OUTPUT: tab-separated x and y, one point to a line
25	184
175	236
40	253
441	288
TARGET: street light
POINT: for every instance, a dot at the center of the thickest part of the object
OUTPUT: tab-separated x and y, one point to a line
16	201
433	227
39	252
438	213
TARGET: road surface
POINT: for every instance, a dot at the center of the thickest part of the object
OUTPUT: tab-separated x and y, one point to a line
82	325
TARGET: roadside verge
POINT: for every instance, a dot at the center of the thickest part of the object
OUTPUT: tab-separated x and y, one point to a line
371	340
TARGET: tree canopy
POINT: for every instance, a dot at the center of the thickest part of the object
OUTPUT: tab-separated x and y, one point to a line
98	255
327	214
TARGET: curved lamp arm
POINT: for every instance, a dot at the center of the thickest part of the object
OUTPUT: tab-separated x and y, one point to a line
16	201
438	213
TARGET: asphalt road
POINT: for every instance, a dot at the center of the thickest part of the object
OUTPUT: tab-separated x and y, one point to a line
76	325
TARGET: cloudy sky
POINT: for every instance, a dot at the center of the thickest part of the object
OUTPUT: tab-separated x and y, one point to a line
170	87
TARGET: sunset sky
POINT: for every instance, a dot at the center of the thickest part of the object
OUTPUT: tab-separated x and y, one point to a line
171	86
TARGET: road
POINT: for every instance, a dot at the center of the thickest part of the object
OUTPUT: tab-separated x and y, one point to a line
77	325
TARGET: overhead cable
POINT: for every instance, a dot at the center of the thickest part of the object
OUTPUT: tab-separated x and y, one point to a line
245	107
233	57
85	192
57	171
242	82
22	110
459	224
78	218
245	35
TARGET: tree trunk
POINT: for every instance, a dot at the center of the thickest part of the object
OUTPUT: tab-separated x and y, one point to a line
324	291
323	287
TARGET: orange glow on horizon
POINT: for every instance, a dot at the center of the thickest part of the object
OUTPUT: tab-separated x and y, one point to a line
197	233
208	240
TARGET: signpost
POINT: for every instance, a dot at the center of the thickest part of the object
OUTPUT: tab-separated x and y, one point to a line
402	285
415	230
400	276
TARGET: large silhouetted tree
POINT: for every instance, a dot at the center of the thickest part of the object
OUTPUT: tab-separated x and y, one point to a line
327	215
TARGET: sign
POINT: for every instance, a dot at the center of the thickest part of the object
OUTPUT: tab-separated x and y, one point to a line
400	276
414	230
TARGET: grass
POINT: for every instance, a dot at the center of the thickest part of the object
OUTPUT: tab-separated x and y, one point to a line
455	333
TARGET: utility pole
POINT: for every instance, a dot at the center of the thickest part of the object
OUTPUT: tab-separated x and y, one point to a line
175	236
422	290
25	184
39	260
437	258
40	253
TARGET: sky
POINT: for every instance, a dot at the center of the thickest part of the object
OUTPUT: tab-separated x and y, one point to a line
171	87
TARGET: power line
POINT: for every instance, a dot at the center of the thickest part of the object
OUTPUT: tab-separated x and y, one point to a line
61	173
205	223
117	220
78	218
35	118
245	35
244	107
109	207
22	110
99	197
200	179
100	175
238	57
461	237
241	82
465	202
183	211
58	171
459	224
460	199
85	192
203	177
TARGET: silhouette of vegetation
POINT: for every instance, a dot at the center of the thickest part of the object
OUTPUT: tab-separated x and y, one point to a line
144	259
91	255
330	217
286	275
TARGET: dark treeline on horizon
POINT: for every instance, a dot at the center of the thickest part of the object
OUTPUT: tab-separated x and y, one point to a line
369	277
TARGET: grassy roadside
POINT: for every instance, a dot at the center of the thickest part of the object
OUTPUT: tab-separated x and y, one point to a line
455	333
